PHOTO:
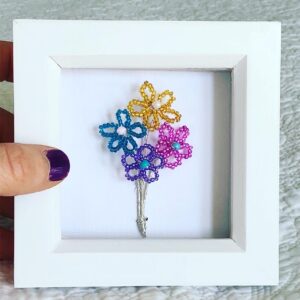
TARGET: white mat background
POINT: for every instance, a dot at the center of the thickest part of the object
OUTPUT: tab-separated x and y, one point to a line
98	202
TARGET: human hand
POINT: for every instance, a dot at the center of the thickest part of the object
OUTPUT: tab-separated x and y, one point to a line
23	168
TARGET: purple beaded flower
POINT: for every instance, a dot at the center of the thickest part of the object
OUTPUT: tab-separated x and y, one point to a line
143	164
172	146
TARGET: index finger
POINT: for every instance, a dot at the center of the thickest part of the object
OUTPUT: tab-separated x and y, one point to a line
6	136
6	61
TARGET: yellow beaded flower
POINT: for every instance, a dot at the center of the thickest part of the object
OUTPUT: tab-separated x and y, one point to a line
154	107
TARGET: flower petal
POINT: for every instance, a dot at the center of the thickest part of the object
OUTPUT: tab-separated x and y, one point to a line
137	130
162	146
123	117
137	108
150	175
157	162
129	160
133	172
166	132
182	133
129	145
173	160
166	98
108	129
185	150
116	143
146	151
147	92
150	119
169	114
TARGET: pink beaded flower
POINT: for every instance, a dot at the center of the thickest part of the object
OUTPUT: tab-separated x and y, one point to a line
172	146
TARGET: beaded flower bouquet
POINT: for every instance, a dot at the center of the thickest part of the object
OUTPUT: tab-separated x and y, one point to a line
141	160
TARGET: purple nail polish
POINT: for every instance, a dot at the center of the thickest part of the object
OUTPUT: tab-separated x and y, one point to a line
59	164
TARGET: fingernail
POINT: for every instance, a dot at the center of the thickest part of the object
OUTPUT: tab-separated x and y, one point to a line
59	164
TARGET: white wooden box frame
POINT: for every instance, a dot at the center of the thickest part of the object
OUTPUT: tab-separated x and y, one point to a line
252	52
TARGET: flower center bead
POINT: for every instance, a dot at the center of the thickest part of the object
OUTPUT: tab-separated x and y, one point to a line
156	104
176	146
122	130
144	164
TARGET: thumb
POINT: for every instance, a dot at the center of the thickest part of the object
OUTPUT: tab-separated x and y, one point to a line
30	168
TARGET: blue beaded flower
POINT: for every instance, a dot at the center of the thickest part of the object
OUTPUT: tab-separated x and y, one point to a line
122	134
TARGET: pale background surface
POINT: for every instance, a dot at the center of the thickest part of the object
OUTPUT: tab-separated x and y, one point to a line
97	201
288	12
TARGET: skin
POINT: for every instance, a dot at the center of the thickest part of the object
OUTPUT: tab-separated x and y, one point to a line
24	168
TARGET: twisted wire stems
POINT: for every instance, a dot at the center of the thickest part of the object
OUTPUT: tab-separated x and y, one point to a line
141	193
